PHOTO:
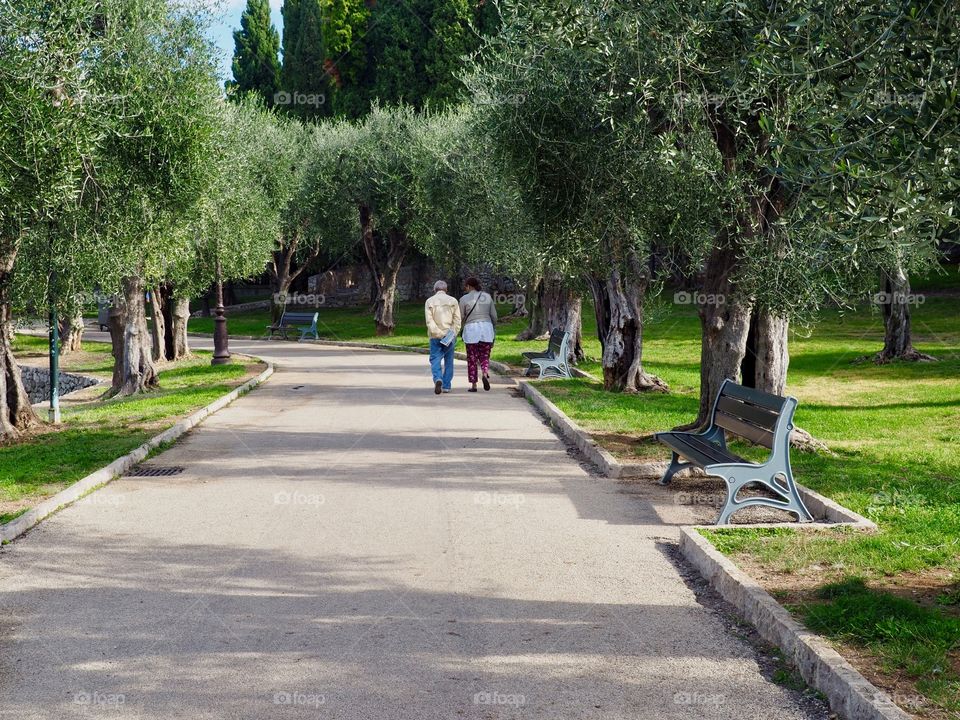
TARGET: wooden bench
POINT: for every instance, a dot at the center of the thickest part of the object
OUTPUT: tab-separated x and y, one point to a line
305	322
759	417
553	361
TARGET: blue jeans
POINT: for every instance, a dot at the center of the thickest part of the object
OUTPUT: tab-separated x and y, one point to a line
437	353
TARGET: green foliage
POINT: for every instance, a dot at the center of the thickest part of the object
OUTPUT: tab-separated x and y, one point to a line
471	206
155	164
838	130
256	62
53	115
236	222
553	93
387	53
134	141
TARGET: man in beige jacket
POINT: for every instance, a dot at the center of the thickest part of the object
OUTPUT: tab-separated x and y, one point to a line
442	313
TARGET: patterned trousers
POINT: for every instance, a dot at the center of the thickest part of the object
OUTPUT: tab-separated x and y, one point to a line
478	354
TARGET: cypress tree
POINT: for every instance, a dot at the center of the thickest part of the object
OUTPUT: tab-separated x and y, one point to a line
345	25
453	36
304	75
256	66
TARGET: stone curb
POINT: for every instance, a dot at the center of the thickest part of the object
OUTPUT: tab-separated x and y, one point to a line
98	478
820	506
848	692
573	433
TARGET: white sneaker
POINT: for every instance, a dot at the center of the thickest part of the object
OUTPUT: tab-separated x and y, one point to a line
447	390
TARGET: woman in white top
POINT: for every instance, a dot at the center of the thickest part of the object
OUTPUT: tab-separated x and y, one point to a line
479	315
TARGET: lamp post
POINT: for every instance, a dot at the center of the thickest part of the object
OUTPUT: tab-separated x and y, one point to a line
221	350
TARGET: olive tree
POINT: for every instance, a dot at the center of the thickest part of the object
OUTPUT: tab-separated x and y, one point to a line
52	113
555	89
154	166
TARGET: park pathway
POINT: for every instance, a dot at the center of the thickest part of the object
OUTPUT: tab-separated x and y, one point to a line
345	544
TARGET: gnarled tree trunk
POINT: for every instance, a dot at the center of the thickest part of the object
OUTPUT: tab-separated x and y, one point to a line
281	270
385	253
554	306
767	356
16	414
177	317
536	319
765	364
618	299
563	309
158	323
895	302
71	332
724	324
133	369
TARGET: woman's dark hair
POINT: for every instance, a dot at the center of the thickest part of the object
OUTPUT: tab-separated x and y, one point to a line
472	282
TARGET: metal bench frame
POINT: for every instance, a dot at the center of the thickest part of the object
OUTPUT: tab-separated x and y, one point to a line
708	450
553	362
296	321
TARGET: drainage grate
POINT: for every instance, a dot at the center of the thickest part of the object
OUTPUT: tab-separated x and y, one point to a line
155	470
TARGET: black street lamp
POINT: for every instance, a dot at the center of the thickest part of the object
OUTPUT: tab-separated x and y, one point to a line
221	349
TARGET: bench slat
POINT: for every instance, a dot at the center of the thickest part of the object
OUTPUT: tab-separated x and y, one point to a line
556	340
752	414
750	432
694	448
754	397
297	318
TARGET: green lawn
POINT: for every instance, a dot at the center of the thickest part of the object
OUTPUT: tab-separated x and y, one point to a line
894	432
95	432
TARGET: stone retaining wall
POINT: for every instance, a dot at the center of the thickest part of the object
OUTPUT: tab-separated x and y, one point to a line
36	381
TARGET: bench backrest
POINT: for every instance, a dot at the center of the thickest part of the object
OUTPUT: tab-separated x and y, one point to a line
295	318
749	413
557	338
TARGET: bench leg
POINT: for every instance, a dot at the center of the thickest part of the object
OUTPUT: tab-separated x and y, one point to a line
675	466
779	482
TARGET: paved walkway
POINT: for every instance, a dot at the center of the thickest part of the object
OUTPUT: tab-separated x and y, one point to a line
345	544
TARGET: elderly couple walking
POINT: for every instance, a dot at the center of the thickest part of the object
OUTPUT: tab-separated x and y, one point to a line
477	315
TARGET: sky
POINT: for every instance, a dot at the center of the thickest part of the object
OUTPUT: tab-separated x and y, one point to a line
222	32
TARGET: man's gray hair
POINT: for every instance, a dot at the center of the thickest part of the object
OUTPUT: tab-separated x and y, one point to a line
439	285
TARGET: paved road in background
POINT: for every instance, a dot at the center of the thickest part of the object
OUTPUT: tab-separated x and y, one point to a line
346	544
